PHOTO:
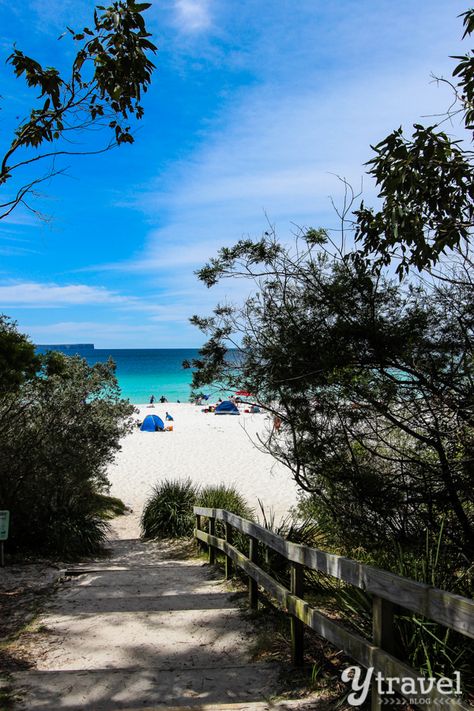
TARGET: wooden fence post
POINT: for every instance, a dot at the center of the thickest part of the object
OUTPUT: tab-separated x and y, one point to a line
297	626
253	587
228	561
383	637
198	528
212	531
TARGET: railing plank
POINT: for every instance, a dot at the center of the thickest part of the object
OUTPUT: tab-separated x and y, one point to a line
355	646
440	606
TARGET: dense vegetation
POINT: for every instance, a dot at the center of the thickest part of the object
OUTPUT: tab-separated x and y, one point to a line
372	376
60	420
363	349
60	425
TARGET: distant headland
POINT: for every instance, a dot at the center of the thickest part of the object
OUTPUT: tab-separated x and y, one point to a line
68	347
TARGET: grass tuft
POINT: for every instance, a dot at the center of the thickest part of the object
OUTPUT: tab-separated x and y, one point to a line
168	513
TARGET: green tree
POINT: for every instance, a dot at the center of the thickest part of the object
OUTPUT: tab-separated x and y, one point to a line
18	361
109	73
426	186
373	381
58	433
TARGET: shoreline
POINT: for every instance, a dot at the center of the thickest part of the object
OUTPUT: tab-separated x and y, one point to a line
209	449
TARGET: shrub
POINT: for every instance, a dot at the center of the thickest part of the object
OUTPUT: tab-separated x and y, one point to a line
59	429
74	533
225	497
230	499
168	513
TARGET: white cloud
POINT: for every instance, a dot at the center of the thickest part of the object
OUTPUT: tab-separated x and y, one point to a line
105	334
37	295
193	15
276	155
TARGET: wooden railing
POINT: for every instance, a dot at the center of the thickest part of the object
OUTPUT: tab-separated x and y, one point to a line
387	590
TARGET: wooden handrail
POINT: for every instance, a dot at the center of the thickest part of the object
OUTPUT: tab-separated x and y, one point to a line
450	610
446	608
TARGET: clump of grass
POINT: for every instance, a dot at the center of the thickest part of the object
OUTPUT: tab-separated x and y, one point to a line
109	506
225	497
73	534
230	499
168	513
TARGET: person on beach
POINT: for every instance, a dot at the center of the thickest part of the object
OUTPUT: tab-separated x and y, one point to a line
163	399
169	417
152	399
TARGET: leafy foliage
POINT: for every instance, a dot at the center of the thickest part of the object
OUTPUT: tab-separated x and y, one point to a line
371	379
18	361
168	512
418	179
58	433
464	71
426	186
222	496
373	383
109	73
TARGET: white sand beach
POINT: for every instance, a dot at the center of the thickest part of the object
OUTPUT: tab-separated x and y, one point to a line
208	448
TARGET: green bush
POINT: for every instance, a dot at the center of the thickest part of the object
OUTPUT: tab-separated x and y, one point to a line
229	499
59	430
224	497
75	533
168	513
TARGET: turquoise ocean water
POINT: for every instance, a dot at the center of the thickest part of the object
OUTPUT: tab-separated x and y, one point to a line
142	372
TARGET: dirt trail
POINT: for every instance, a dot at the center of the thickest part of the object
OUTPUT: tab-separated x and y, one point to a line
145	629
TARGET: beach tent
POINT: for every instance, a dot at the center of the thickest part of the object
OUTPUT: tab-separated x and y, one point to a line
227	408
152	423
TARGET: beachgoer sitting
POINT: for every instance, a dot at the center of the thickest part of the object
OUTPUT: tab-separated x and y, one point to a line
168	417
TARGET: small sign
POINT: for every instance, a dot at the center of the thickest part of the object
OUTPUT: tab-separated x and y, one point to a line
4	524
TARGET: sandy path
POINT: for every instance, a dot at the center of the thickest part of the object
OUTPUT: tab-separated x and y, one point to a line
145	628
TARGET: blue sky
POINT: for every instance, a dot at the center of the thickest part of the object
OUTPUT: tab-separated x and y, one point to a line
255	105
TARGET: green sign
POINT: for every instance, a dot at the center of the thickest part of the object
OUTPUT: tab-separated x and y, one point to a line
4	523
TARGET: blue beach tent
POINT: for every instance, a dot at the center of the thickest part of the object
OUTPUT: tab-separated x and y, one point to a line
152	423
227	408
